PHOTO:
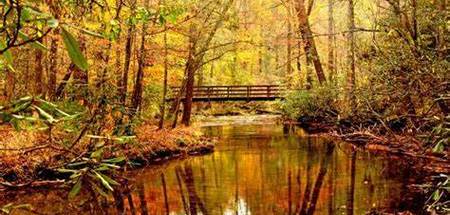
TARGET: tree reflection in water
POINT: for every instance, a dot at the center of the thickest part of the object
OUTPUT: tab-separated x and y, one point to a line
255	170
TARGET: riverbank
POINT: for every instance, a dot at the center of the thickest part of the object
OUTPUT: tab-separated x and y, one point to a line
27	159
374	139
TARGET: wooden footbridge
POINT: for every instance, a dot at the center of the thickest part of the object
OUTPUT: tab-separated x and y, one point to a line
233	93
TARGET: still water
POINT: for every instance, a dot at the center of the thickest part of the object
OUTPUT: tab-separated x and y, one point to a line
257	168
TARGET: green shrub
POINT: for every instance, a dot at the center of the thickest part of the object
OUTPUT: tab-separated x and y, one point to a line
318	102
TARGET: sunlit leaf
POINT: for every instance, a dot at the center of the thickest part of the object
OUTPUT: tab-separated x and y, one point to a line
74	51
439	147
109	180
97	153
115	160
52	23
75	189
103	180
7	54
62	170
35	44
45	115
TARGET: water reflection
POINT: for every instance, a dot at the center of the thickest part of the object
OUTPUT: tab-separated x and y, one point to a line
260	169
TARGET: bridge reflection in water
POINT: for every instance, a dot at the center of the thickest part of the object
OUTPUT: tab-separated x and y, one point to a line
262	170
256	169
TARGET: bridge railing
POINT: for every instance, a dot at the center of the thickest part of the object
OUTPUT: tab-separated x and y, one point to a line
235	92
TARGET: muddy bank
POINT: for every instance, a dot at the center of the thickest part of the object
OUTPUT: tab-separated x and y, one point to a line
376	139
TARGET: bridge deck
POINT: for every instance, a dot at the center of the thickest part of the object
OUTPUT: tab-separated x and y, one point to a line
234	93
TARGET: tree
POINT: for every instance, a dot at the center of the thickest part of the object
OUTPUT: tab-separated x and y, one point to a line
123	87
308	40
351	55
200	38
331	40
137	91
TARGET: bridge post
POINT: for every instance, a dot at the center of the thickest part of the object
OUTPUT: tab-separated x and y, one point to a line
248	93
268	91
208	93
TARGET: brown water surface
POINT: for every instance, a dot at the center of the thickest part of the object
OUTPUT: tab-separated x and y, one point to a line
257	168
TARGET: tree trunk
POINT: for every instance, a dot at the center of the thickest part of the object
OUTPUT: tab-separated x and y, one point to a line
38	71
123	88
166	69
309	44
289	45
53	57
51	85
137	91
351	56
195	58
331	39
187	106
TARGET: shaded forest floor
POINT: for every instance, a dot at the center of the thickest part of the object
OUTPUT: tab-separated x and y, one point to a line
28	160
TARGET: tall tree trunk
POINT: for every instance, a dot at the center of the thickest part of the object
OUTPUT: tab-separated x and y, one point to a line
117	69
195	59
123	88
137	91
166	70
331	39
53	58
309	44
351	56
187	107
51	84
289	44
38	71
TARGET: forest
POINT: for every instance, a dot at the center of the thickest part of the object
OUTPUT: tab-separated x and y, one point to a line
91	90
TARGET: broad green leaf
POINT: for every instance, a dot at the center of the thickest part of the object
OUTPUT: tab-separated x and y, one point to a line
45	115
15	124
115	160
97	154
23	99
439	147
109	180
75	189
35	44
20	117
103	180
62	170
22	106
436	195
74	51
102	168
47	103
77	164
7	54
110	165
52	23
62	112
